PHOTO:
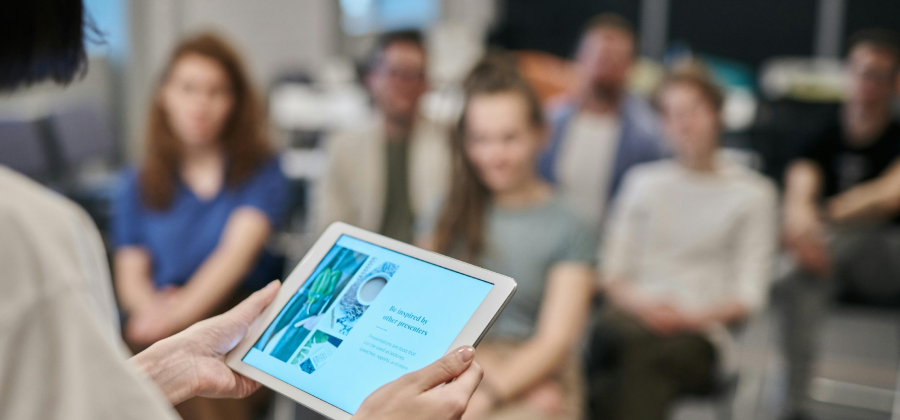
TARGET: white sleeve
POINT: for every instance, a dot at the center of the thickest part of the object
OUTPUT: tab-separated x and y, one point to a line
56	357
756	247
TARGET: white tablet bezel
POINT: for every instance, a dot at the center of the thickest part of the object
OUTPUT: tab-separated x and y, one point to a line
481	320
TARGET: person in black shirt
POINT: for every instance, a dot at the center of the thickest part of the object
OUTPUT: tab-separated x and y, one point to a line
842	208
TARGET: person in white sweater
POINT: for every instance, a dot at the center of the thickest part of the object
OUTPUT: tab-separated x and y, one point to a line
687	253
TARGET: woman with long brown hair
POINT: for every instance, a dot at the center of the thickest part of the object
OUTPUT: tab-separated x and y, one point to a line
192	220
501	215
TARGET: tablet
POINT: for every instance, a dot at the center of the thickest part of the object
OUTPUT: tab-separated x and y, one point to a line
361	310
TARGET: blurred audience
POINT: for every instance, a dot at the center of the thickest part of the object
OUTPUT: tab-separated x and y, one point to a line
383	174
842	208
192	221
602	130
501	215
687	254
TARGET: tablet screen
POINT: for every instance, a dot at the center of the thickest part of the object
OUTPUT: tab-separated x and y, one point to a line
366	316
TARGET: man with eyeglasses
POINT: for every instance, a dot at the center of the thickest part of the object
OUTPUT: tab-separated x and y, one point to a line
394	167
842	208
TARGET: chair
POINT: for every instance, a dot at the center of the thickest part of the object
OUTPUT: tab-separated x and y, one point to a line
82	135
22	150
84	144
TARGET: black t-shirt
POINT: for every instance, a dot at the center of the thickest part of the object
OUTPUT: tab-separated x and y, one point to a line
845	166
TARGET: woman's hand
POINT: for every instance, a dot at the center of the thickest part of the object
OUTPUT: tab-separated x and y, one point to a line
420	396
192	362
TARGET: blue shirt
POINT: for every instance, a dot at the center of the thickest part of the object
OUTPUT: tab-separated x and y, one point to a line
180	238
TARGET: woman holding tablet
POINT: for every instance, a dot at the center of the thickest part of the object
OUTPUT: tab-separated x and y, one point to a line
500	215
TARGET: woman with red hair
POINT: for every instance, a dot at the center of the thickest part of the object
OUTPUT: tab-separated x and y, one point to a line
192	221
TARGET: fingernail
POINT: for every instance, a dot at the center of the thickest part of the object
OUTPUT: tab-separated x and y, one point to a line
466	354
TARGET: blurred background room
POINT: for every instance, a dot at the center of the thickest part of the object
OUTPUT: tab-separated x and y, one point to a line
307	112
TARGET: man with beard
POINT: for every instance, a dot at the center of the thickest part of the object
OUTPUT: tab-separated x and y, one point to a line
603	130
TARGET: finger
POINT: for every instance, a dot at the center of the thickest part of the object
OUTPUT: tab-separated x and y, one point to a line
233	325
445	369
245	386
464	385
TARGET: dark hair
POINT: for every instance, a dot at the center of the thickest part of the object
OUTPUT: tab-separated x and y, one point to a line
883	39
460	226
609	21
42	39
243	138
692	73
388	39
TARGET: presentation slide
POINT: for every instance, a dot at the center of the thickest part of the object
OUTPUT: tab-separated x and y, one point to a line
366	316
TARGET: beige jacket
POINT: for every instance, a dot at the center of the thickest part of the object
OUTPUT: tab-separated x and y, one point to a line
354	187
60	352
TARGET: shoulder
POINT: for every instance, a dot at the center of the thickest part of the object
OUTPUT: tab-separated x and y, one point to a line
754	185
651	173
346	147
430	131
561	111
573	238
271	168
827	137
558	213
638	112
269	173
21	196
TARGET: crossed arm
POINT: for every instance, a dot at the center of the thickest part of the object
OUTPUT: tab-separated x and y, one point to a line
158	314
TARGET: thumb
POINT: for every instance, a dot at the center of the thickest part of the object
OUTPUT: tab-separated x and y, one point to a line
235	322
250	308
445	369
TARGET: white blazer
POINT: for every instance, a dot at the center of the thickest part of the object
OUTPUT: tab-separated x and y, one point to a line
354	187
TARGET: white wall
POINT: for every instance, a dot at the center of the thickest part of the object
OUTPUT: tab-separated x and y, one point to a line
273	35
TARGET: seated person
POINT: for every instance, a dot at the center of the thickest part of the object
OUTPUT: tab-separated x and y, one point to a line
688	252
842	208
602	129
501	215
192	220
383	175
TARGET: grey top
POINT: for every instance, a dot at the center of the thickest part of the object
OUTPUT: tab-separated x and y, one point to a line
525	244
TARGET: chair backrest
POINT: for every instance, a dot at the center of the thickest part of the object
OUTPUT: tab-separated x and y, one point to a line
82	134
21	148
